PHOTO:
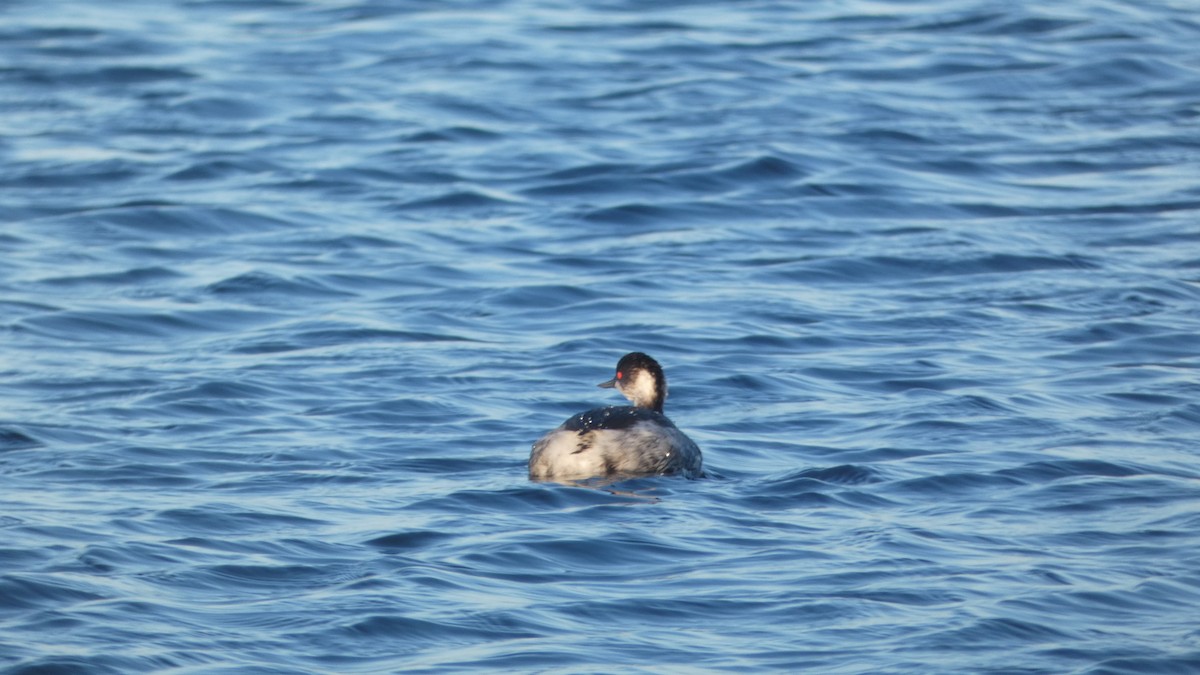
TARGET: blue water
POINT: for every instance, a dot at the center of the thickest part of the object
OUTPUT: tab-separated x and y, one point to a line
290	286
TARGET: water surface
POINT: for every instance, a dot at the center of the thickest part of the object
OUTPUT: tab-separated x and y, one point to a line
290	287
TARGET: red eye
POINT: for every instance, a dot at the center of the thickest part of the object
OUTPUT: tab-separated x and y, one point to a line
620	374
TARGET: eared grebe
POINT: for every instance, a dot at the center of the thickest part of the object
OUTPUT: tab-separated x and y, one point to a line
619	441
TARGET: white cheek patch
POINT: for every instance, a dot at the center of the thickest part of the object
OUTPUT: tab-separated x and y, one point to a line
640	389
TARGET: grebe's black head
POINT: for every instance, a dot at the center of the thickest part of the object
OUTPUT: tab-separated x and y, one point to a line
640	379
